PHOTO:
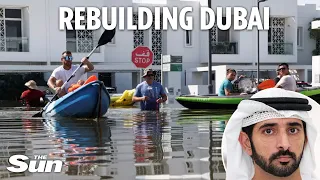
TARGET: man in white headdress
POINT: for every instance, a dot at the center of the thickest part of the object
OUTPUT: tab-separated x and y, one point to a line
273	136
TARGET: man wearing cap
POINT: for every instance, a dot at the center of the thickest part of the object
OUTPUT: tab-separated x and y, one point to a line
62	73
32	95
272	135
149	93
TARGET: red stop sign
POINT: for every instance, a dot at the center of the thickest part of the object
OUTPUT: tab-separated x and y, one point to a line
142	57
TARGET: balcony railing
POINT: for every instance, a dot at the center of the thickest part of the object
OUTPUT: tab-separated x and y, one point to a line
14	44
280	48
82	45
224	48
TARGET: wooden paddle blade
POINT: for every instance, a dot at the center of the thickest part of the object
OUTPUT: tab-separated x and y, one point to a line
270	83
106	37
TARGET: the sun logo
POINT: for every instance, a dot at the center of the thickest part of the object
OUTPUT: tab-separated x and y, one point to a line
44	164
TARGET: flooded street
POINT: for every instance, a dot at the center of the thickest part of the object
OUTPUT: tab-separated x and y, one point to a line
174	143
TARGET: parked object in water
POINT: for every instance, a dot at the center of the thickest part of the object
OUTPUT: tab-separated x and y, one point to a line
214	101
124	99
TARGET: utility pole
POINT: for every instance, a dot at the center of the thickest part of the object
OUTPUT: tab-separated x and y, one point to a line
210	86
258	61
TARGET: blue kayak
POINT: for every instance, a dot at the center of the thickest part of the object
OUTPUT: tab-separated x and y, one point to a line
84	102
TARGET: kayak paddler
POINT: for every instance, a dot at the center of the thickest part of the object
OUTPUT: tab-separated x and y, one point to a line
62	73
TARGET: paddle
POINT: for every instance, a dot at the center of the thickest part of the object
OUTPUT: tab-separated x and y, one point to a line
106	37
270	83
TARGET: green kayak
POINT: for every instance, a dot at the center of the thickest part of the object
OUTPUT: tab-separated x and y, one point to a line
231	102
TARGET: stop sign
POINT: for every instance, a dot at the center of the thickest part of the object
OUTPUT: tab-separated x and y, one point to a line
142	57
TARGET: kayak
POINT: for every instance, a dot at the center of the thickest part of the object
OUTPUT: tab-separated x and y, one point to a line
122	100
115	97
84	102
231	102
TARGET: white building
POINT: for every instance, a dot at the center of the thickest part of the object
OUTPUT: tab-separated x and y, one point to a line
306	45
30	41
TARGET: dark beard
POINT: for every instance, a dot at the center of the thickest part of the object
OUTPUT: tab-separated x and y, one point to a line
283	171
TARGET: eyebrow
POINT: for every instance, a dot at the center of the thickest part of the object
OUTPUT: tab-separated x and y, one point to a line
267	125
294	124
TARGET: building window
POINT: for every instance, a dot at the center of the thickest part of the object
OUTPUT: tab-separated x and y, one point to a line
223	35
219	35
81	41
276	37
188	39
11	31
300	37
189	167
221	40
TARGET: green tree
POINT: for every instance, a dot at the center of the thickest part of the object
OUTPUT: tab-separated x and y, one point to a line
315	34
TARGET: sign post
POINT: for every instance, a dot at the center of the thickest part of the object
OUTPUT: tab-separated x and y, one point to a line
173	66
142	57
172	63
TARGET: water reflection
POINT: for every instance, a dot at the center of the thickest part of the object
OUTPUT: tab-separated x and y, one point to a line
126	144
83	144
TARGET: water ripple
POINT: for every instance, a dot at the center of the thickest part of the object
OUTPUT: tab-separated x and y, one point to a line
124	144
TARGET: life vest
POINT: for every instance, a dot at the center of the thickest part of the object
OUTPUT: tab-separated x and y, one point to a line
73	87
91	79
76	86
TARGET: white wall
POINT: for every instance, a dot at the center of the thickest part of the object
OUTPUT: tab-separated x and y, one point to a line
316	70
306	13
44	16
47	41
37	41
247	40
123	81
57	41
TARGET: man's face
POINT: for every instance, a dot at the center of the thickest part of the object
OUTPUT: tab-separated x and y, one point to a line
277	145
283	70
231	76
67	59
149	76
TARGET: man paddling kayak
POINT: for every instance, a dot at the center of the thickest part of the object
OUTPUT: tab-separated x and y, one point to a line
149	93
63	72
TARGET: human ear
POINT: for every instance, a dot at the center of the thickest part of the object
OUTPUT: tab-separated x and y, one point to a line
306	141
245	143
